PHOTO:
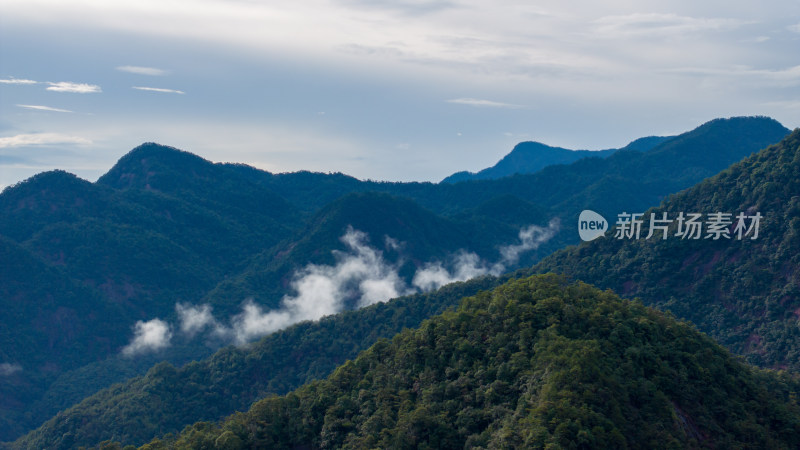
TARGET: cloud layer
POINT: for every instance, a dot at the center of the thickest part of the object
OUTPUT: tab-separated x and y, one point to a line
577	75
22	140
360	277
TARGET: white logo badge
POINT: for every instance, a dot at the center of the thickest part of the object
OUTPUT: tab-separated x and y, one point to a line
591	225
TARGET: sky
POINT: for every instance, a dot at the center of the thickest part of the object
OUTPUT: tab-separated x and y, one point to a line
399	90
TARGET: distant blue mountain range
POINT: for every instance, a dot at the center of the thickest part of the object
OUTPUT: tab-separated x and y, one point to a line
531	157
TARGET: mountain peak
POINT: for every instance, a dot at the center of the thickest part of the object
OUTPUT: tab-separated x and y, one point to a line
151	161
50	178
45	198
51	186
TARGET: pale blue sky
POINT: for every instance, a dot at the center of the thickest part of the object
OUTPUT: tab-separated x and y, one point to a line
390	90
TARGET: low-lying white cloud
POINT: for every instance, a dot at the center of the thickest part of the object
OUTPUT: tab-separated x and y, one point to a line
254	322
45	108
194	318
161	90
76	88
22	140
7	369
148	336
464	266
139	70
530	238
360	277
361	274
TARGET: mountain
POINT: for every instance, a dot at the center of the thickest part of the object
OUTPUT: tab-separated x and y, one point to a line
165	228
531	157
680	275
145	407
535	363
182	175
627	179
743	292
85	261
406	235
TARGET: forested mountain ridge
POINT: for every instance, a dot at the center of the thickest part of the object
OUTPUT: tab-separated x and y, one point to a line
533	363
743	292
165	227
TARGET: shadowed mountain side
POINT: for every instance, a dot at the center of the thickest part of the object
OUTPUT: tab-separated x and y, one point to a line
745	293
50	324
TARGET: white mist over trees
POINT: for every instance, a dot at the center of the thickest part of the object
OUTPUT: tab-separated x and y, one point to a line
360	276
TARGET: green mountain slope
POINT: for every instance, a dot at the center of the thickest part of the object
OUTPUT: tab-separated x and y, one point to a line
745	293
167	399
86	261
533	364
531	157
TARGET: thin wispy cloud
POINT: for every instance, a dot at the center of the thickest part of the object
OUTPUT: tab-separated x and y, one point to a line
789	76
22	140
17	81
758	39
45	108
77	88
659	24
406	7
481	103
139	70
786	104
162	90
